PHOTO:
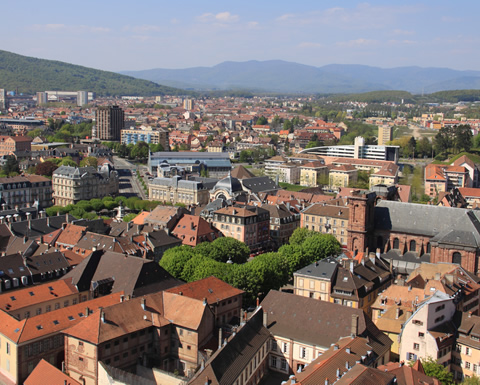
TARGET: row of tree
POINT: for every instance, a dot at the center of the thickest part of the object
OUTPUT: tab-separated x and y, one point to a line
138	151
269	271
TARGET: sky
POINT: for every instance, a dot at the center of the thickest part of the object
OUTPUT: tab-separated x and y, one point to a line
135	35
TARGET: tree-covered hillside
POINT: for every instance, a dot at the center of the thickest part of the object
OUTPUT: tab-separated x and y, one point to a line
29	75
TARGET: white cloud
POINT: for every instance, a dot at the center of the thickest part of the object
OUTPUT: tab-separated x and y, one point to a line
222	17
70	28
252	24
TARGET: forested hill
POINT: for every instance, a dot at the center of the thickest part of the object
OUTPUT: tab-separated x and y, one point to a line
30	75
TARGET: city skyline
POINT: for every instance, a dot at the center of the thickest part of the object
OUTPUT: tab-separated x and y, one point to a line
117	37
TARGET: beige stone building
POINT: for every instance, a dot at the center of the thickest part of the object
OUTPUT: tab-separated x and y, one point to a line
387	175
10	144
313	174
26	190
466	357
73	184
177	190
329	219
342	176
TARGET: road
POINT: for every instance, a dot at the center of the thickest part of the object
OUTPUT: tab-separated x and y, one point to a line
129	184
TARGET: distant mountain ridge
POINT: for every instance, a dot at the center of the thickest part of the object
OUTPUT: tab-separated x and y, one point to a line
29	75
283	76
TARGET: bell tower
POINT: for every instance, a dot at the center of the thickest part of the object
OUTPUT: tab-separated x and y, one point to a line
360	222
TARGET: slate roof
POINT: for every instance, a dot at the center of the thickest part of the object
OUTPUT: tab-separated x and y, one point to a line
444	224
240	172
260	183
325	269
226	364
131	274
324	323
40	226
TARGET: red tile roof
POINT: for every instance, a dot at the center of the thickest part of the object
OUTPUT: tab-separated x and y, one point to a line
211	288
28	296
44	371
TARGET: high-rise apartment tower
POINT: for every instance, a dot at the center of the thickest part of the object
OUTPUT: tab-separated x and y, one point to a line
109	121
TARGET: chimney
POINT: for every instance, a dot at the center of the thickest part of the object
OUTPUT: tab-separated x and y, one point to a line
205	301
48	221
87	311
129	225
220	336
29	220
397	313
348	350
25	239
192	226
335	347
409	287
265	319
67	217
437	276
143	303
122	298
102	315
354	325
378	253
338	372
469	314
258	302
347	366
351	267
371	256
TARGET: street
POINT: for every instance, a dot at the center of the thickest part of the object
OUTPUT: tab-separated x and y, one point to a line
129	184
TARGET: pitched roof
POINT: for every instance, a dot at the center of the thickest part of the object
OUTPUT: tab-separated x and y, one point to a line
240	172
71	234
32	295
45	370
131	274
211	288
226	364
51	322
407	375
325	323
193	230
125	317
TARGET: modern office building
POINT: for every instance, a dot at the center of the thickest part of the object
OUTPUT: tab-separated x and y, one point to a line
188	104
109	122
359	150
82	98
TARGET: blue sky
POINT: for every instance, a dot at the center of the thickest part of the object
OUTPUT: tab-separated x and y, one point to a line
134	35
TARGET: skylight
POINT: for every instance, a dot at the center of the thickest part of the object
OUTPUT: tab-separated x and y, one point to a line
39	327
13	298
71	318
56	322
31	293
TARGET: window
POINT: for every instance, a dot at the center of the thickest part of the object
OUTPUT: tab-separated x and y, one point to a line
421	335
8	347
417	322
300	282
284	364
274	346
285	347
273	363
467	351
441	307
467	365
439	319
65	304
416	346
303	352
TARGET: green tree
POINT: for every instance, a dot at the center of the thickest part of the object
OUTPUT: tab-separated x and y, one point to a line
174	259
129	217
434	369
319	246
300	235
287	125
471	381
463	137
424	147
261	121
225	248
11	166
89	161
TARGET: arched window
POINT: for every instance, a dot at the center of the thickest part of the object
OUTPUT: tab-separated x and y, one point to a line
396	243
413	245
457	258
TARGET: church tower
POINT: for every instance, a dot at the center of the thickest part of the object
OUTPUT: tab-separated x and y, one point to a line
360	223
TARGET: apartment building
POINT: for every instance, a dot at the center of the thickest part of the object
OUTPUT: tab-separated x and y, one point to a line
323	324
248	224
325	218
109	120
440	178
147	134
342	176
192	230
466	356
177	190
26	190
429	331
283	222
313	174
11	144
73	184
